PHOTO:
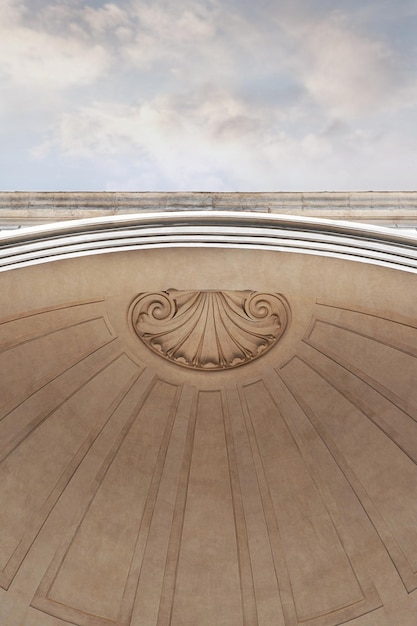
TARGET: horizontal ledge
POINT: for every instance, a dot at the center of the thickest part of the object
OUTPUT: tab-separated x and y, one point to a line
19	208
76	199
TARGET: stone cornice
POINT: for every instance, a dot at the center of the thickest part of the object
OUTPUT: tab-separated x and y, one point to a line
27	208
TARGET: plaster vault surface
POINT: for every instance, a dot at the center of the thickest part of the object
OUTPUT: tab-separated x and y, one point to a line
208	420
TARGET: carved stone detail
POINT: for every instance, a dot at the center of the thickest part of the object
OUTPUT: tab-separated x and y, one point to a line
209	330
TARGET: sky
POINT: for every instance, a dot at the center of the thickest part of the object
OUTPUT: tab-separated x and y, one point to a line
213	95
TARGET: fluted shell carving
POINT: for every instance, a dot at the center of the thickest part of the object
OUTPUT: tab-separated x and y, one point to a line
210	330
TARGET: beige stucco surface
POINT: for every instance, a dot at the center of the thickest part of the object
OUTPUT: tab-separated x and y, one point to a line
136	492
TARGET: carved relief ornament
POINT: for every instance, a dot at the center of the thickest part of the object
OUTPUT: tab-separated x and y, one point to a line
209	330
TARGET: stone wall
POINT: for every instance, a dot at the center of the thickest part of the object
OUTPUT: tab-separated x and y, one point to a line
397	209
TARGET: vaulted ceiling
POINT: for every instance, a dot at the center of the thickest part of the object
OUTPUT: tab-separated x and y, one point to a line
211	423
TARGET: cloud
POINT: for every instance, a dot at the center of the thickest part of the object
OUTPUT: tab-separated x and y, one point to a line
32	57
44	61
190	141
105	19
175	33
208	115
210	95
210	139
346	72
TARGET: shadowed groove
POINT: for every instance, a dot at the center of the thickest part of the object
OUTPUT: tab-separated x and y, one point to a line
250	616
398	345
406	574
16	440
339	604
174	546
281	572
332	501
41	600
58	371
129	595
49	309
11	345
370	381
333	375
16	559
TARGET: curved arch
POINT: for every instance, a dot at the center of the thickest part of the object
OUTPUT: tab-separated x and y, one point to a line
357	242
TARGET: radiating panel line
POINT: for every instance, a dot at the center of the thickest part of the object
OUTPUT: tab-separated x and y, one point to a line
353	608
400	320
12	405
128	601
395	553
42	515
41	600
404	443
250	616
265	584
174	545
40	418
208	566
281	572
371	600
11	345
399	346
41	311
389	395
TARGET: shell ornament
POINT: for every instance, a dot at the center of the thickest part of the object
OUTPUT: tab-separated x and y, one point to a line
209	330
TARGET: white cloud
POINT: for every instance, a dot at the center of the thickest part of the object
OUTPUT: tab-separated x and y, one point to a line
210	95
186	140
168	32
37	59
348	73
191	143
32	57
217	142
105	19
11	12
